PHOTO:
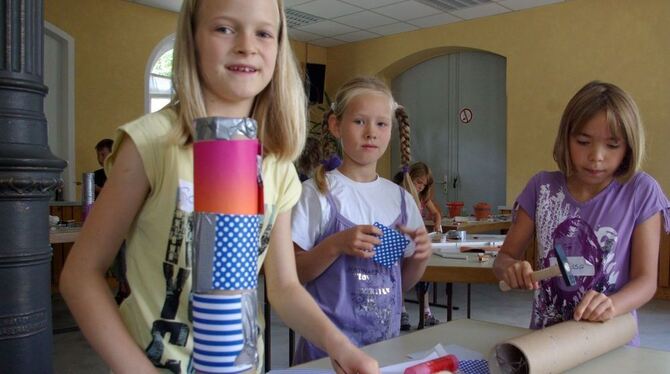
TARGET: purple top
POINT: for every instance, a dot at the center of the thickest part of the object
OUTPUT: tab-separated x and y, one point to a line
362	298
599	230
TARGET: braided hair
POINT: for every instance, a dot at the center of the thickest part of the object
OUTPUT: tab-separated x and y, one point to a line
405	151
328	153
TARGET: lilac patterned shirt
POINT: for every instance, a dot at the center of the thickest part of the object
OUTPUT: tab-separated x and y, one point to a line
362	297
599	230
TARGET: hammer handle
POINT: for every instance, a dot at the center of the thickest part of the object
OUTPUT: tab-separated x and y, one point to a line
536	276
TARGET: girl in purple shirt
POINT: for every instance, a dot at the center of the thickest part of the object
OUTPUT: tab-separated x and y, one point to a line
604	212
332	225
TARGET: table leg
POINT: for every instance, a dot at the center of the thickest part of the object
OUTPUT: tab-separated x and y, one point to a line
449	290
421	293
469	300
267	333
291	346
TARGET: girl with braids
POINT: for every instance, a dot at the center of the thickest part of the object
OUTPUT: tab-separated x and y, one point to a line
332	224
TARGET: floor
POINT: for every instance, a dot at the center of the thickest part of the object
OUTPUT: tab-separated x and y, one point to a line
73	355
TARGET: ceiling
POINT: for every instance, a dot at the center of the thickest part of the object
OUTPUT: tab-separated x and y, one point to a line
328	23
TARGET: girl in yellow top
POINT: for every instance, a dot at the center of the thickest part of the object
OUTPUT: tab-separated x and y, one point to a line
232	59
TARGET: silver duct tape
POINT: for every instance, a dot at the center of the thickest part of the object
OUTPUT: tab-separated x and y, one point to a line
224	128
88	188
226	252
225	331
204	243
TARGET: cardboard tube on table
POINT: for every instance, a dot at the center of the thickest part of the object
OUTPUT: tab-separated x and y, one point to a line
561	347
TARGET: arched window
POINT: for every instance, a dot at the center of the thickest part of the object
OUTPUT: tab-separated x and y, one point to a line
158	78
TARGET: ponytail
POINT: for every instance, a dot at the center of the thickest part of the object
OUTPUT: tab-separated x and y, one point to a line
405	152
328	154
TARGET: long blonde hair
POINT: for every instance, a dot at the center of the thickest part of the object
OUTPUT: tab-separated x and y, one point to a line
351	89
280	109
623	117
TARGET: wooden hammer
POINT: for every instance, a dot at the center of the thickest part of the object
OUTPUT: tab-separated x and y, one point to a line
562	268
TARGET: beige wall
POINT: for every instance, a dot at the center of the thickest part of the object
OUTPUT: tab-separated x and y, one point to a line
113	43
114	40
551	52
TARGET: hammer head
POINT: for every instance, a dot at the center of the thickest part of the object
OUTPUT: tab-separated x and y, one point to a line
564	266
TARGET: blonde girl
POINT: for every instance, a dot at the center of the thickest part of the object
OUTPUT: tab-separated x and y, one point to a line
332	224
599	207
232	59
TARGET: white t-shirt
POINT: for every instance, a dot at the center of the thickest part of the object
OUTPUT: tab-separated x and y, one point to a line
360	203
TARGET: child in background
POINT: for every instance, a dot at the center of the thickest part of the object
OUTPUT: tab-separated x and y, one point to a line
232	58
599	207
422	179
102	150
332	223
118	268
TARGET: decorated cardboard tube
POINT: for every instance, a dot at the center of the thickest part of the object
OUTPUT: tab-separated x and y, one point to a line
228	211
561	347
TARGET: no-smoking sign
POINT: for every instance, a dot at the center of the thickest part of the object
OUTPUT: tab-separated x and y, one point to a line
465	115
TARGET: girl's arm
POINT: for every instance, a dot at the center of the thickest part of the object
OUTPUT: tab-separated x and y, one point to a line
414	266
641	285
82	282
435	213
297	308
356	241
509	264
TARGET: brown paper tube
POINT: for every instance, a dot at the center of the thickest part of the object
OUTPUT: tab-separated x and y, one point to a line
561	347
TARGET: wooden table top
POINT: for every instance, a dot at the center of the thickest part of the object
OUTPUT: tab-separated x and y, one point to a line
473	227
58	234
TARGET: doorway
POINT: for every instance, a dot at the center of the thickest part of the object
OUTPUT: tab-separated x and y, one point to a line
458	111
59	102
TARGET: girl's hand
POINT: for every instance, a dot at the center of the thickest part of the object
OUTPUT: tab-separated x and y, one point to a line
518	275
422	246
357	241
352	360
595	306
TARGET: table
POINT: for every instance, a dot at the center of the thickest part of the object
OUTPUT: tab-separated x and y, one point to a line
59	235
460	272
473	227
61	239
449	271
482	336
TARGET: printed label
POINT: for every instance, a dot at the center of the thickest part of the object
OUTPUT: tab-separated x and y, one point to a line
579	266
185	196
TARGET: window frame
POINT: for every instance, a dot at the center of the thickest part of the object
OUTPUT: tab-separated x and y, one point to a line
163	46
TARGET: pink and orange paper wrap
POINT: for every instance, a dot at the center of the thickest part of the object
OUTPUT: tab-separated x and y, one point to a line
225	176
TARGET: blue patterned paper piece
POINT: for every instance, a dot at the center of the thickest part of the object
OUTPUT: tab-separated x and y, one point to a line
236	252
391	248
473	367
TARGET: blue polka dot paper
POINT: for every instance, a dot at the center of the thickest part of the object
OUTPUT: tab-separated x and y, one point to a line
236	252
391	248
473	367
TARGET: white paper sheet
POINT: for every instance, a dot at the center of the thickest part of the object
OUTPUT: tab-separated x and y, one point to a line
417	357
